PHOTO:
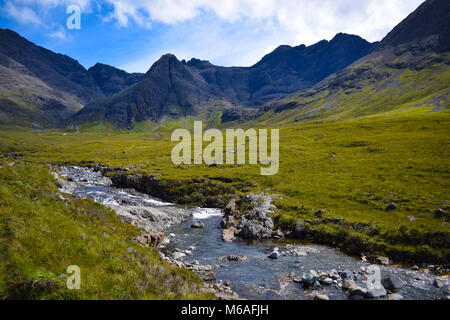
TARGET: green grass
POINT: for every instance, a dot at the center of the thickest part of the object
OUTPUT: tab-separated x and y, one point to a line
41	235
352	169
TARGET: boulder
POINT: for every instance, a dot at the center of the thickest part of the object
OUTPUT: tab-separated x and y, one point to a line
278	234
197	225
391	207
178	255
275	254
255	228
440	213
300	230
236	258
382	260
392	283
346	274
228	235
209	277
326	281
353	288
376	292
438	283
309	280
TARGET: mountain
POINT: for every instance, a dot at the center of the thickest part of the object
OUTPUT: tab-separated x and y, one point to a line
168	88
38	86
408	69
430	20
112	80
198	88
285	70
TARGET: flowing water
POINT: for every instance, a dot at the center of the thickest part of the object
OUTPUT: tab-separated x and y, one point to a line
257	277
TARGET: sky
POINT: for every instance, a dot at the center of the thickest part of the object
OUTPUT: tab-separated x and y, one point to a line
133	34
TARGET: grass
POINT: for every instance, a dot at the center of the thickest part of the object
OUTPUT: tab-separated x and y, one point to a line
41	235
348	153
351	169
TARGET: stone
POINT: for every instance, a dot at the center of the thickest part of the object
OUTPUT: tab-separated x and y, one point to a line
377	292
278	234
256	223
438	283
209	277
236	258
275	254
300	230
346	274
440	213
228	235
205	290
357	290
326	281
197	225
353	288
321	297
178	255
395	296
348	283
391	207
392	283
382	260
319	214
309	280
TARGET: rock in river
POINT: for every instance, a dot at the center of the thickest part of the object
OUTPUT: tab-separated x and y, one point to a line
376	292
393	283
275	254
197	225
346	274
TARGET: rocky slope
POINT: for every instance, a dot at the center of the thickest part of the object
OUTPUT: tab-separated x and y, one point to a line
409	68
39	86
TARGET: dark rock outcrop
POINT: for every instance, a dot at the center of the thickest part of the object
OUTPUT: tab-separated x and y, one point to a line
251	222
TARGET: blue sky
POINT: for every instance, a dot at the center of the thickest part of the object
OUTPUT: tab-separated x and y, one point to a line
133	34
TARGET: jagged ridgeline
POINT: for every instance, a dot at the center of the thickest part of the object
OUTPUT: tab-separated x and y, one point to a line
342	78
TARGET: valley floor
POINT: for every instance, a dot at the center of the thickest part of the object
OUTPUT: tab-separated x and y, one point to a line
351	170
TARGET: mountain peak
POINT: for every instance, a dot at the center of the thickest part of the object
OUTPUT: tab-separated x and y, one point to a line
112	80
430	19
345	36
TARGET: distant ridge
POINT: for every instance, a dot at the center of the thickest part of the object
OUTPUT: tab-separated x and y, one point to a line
173	88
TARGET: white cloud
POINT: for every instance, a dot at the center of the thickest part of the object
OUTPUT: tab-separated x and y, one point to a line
59	33
21	14
308	20
85	5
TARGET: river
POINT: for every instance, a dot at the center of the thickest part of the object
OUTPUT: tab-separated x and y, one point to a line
257	277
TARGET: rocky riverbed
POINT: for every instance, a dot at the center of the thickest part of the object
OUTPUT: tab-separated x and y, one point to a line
194	239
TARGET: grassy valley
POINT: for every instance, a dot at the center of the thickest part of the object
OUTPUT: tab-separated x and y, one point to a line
351	169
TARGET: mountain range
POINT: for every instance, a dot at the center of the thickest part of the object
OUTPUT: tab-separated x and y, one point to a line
341	77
